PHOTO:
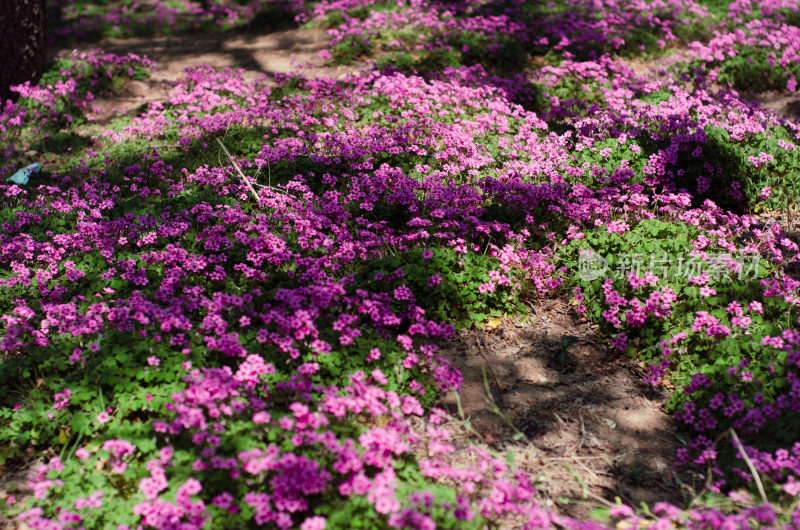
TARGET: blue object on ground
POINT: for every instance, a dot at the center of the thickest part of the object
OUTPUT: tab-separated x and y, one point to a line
22	176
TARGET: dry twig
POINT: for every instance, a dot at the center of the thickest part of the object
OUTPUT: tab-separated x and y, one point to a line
238	169
750	465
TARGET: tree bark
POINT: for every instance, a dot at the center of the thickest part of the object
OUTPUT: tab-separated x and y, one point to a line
22	45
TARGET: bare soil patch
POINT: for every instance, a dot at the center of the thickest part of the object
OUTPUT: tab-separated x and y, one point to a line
14	484
784	104
269	53
573	410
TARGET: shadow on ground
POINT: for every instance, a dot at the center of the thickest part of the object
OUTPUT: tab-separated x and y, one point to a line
569	407
273	52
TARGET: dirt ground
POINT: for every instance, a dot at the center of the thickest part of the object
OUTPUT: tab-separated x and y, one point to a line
784	104
14	485
288	50
568	406
277	52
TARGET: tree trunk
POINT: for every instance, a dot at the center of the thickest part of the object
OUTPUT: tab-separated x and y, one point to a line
22	45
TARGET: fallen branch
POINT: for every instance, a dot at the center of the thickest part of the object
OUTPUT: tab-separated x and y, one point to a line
750	465
238	169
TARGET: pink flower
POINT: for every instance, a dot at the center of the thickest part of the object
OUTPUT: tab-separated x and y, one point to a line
308	369
741	322
487	287
76	355
621	510
224	500
792	487
103	417
411	406
403	293
410	361
261	417
386	503
378	376
406	342
313	523
735	308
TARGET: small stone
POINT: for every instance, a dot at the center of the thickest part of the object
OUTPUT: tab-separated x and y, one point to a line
31	153
137	89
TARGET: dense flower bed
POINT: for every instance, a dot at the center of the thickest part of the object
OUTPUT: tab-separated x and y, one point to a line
252	340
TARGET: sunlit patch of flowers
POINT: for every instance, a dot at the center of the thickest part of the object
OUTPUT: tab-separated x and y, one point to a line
64	95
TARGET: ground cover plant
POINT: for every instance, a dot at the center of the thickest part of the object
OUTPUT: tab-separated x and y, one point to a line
224	308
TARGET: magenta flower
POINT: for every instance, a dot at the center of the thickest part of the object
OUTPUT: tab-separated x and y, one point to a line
313	523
